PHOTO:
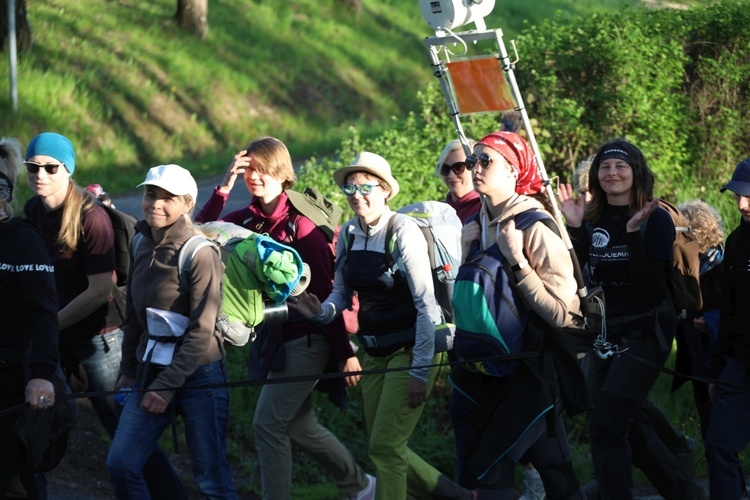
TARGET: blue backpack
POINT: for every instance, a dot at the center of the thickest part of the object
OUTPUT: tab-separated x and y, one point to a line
490	316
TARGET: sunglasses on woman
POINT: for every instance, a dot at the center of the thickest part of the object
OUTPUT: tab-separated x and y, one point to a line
458	168
364	189
483	160
50	168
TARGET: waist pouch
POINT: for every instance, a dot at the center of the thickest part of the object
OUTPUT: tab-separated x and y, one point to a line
387	343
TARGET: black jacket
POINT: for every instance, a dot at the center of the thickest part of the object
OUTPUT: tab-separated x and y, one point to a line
28	303
734	326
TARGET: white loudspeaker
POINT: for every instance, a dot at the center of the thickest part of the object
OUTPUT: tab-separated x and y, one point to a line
451	14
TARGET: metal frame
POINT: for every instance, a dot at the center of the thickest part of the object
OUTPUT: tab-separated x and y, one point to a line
441	40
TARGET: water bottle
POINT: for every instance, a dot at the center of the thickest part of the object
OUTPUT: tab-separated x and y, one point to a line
122	395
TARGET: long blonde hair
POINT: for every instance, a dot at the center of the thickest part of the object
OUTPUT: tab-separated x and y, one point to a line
77	202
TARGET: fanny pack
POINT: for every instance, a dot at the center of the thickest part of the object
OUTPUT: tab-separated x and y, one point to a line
388	343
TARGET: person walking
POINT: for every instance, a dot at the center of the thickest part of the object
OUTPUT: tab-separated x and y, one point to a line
28	323
627	242
285	414
172	350
399	311
505	173
729	432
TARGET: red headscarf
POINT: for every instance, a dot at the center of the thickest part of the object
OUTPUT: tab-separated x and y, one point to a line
520	156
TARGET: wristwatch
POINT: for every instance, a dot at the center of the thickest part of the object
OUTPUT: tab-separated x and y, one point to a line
517	267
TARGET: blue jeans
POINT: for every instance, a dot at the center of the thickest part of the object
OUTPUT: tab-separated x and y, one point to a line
205	413
101	362
728	432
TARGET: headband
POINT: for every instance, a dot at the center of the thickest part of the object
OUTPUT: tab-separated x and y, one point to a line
519	156
618	153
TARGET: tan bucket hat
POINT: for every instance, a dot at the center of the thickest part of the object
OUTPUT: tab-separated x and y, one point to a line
372	164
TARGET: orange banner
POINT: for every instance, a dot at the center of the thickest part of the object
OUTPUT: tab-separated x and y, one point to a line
480	86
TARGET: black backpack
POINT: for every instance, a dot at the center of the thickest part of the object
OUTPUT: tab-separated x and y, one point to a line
123	226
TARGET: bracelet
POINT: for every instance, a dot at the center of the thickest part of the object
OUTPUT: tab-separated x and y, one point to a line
517	267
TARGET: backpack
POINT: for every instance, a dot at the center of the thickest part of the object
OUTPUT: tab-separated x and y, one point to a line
684	284
326	215
123	226
491	317
256	268
441	229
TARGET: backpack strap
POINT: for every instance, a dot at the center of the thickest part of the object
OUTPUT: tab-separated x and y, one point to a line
291	225
390	241
526	219
135	243
185	258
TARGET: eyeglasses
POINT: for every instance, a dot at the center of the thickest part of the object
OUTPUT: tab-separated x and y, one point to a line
458	168
50	168
484	161
364	189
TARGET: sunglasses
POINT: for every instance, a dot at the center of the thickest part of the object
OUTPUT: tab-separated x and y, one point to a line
483	160
458	168
364	189
50	168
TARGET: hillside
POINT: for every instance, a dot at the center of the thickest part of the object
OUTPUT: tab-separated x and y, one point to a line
131	89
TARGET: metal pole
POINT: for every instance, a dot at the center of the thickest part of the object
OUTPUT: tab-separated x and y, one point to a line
440	72
12	55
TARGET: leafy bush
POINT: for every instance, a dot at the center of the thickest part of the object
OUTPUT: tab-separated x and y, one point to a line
672	82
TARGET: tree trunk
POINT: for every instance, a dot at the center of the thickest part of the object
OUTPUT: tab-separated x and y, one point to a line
23	28
193	15
353	6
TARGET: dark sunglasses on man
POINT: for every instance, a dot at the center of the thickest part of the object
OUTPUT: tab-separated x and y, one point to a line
458	168
50	168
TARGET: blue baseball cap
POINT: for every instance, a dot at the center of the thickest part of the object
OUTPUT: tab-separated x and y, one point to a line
740	183
55	145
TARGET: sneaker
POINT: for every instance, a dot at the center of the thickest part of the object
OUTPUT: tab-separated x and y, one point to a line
368	492
533	488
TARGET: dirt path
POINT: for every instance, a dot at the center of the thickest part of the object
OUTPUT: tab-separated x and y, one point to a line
82	474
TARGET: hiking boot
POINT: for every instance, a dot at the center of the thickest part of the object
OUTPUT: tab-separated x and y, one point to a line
591	489
368	492
533	488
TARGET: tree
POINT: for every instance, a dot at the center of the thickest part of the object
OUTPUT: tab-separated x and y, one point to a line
193	15
23	28
353	6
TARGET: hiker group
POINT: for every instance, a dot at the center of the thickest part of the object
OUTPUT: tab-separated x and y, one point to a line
533	317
